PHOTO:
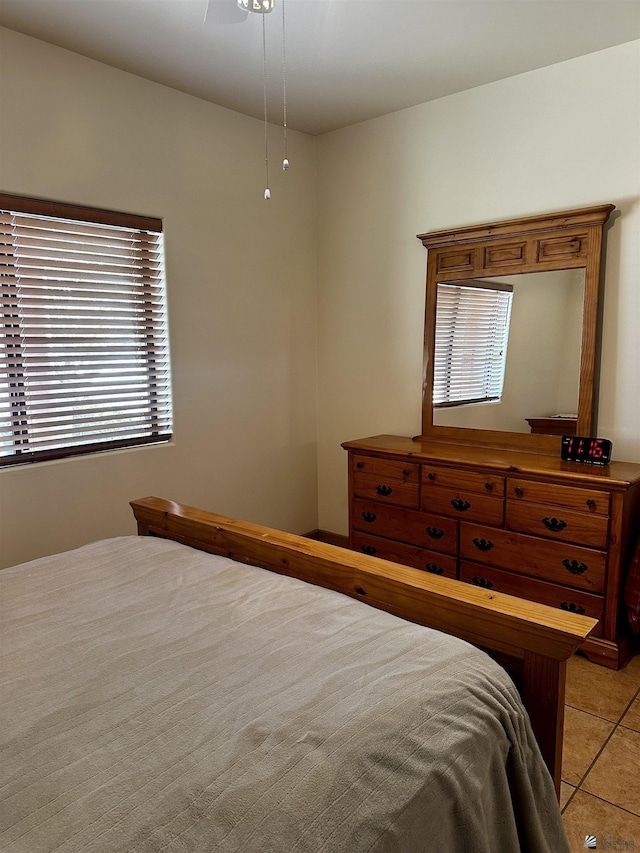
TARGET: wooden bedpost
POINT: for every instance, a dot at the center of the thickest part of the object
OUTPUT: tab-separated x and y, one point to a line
544	682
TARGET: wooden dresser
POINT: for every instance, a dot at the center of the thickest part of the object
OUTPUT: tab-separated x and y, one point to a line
560	533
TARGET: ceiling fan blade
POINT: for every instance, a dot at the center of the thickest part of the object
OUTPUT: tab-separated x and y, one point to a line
224	12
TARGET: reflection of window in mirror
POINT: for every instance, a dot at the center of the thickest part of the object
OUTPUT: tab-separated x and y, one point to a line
542	368
472	332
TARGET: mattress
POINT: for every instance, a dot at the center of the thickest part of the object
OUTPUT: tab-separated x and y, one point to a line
159	699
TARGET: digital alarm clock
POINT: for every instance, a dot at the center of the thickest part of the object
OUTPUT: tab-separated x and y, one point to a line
583	448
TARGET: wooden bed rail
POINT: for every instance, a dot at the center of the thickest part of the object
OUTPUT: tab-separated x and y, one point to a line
531	640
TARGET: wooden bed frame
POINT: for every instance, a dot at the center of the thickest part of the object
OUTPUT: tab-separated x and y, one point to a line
532	641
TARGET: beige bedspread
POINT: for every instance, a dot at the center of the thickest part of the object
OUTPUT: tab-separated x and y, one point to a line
157	699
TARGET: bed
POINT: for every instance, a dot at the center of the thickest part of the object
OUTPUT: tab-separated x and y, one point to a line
164	693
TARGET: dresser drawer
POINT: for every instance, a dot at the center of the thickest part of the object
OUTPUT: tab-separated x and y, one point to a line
559	562
455	478
573	497
459	503
387	469
408	555
554	595
386	489
555	522
417	528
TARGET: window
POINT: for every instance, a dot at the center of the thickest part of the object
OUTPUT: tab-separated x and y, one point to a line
472	330
84	352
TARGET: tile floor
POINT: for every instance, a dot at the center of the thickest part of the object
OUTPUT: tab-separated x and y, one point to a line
601	756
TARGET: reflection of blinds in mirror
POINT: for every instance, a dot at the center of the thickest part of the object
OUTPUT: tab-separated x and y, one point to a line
472	331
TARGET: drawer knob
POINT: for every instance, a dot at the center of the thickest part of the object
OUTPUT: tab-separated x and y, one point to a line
555	525
518	490
368	549
460	505
435	532
572	607
431	475
369	517
384	491
483	582
434	569
405	472
591	503
359	464
483	544
575	567
488	486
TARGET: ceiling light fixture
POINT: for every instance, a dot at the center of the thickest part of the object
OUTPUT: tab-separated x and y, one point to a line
263	7
256	5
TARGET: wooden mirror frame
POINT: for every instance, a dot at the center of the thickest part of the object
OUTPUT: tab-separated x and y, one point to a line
571	239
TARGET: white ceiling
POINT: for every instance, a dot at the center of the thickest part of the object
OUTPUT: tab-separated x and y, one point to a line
347	60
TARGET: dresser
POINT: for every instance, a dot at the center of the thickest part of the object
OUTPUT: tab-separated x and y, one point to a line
560	533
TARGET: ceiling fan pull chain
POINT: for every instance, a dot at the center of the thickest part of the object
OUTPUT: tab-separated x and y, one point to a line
285	162
267	192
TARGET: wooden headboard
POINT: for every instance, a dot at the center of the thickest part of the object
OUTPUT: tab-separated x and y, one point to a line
532	641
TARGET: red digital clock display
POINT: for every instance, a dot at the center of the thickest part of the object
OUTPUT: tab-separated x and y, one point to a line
582	448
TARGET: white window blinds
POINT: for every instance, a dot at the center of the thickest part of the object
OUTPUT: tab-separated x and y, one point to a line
84	355
472	331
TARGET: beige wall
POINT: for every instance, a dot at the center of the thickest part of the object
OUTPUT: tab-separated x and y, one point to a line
242	272
561	137
241	283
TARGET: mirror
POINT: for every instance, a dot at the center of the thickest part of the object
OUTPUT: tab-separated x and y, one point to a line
550	265
548	304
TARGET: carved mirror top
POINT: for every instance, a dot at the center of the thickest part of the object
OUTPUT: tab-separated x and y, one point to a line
568	240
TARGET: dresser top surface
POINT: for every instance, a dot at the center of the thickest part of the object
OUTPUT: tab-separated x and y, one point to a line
615	475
